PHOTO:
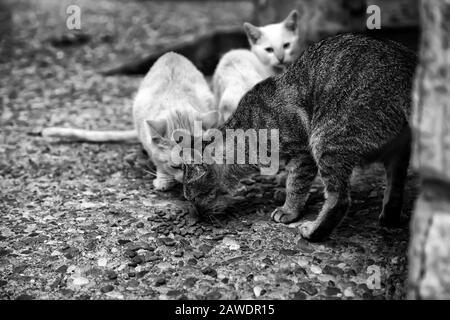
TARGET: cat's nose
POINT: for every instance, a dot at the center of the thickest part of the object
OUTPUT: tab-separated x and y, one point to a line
281	59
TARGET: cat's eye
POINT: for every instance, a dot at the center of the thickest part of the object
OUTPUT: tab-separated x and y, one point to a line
286	45
176	166
269	49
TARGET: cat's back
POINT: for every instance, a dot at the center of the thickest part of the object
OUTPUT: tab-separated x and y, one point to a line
238	68
173	81
174	70
341	73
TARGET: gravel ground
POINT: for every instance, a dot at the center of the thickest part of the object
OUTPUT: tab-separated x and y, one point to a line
82	221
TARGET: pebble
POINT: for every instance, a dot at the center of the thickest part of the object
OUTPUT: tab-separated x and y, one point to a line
332	291
80	281
190	282
111	275
160	281
348	292
192	261
115	295
139	225
334	271
308	288
215	295
300	295
102	262
210	272
168	242
231	243
258	291
178	253
130	253
198	255
137	259
107	288
150	257
316	269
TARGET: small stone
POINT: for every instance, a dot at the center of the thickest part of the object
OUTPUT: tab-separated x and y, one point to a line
174	293
133	283
102	262
192	261
210	272
300	295
316	269
334	271
62	269
231	243
137	259
139	225
198	255
332	291
215	295
267	261
80	281
308	288
115	295
107	288
168	242
190	282
160	281
304	246
288	252
150	257
111	275
130	253
178	253
70	253
348	292
25	297
123	241
258	291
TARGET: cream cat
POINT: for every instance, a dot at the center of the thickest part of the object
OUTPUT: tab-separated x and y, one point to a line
275	45
172	96
237	72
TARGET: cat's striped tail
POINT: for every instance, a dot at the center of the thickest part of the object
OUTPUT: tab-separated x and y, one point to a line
90	135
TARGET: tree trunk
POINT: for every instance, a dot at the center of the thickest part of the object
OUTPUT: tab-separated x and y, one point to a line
429	274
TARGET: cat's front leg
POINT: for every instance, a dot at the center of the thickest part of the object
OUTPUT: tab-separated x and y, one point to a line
163	181
335	173
301	172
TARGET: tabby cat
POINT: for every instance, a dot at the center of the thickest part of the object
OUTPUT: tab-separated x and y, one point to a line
344	103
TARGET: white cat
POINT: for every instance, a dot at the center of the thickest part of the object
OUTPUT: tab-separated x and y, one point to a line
172	96
237	72
276	45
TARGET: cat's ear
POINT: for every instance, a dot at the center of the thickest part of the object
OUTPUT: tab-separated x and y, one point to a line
253	33
291	21
209	119
157	129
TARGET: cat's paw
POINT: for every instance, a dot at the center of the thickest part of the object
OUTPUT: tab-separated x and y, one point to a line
283	216
310	231
163	184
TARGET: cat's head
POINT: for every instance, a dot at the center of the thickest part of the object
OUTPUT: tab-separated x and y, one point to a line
161	132
210	186
276	45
